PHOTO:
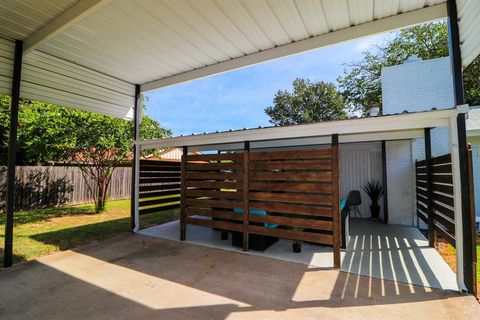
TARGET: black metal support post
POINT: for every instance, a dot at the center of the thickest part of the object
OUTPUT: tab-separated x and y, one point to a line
428	163
456	63
137	113
12	153
385	182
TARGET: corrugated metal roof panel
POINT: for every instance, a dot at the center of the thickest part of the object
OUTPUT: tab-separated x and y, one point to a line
172	37
20	18
469	22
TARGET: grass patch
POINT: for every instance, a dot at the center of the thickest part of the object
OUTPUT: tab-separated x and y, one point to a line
44	231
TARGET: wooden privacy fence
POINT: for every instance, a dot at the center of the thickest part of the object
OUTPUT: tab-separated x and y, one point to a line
49	186
159	185
298	190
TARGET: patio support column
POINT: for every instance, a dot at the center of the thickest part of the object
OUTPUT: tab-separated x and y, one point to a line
137	115
183	213
12	153
464	225
336	203
385	182
246	208
428	163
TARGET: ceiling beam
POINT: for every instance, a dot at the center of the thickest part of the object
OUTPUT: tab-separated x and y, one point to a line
367	29
63	21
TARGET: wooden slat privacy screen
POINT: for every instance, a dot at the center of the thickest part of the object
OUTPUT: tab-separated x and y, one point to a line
298	189
440	203
159	187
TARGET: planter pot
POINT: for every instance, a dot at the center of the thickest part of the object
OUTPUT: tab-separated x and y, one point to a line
297	246
375	211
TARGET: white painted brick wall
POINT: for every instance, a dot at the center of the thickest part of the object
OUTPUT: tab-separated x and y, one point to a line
413	86
417	86
400	175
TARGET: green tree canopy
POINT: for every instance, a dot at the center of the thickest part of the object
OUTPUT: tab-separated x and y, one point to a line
360	83
309	102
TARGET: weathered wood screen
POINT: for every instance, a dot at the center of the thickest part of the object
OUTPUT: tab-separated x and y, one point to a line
159	187
298	189
434	191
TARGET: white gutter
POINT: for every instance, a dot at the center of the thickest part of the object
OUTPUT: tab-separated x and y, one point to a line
345	128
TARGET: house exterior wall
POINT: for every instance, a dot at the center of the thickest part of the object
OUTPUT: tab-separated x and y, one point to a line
414	86
400	180
359	163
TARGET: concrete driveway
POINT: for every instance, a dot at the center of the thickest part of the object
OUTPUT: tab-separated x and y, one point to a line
139	277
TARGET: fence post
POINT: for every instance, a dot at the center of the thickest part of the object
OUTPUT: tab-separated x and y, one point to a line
246	209
336	203
183	189
428	166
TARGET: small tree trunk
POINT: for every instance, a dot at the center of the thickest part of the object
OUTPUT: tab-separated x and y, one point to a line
101	196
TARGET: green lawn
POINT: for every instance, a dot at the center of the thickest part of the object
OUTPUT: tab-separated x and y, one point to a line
43	231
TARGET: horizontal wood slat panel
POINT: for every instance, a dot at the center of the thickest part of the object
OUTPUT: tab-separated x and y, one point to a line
445	235
159	187
158	168
160	174
147	203
215	224
292	208
444	178
445	211
422	184
291	197
422	170
160	163
443	199
213	213
293	235
213	184
446	158
292	186
291	176
159	180
446	168
422	207
420	163
216	157
291	155
292	165
158	209
293	222
145	195
213	203
449	224
209	166
213	176
422	217
443	188
422	192
213	194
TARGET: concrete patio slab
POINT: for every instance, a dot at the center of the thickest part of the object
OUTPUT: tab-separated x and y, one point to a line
138	277
375	249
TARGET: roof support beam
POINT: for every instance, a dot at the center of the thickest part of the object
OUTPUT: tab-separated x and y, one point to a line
66	19
367	29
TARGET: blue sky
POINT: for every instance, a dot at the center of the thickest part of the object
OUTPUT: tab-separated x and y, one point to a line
237	99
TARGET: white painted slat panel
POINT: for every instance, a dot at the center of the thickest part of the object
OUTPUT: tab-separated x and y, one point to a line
360	163
6	65
469	21
53	80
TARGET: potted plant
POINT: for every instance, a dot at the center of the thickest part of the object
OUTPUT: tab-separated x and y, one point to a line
374	190
297	244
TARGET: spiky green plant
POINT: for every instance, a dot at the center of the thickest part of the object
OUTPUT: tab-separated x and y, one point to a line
374	190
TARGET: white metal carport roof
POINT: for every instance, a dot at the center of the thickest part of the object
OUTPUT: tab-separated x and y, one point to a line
90	54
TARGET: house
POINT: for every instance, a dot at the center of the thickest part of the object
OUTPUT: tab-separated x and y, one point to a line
418	85
103	55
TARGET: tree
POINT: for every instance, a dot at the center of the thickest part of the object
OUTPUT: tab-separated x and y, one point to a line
360	83
309	102
97	143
